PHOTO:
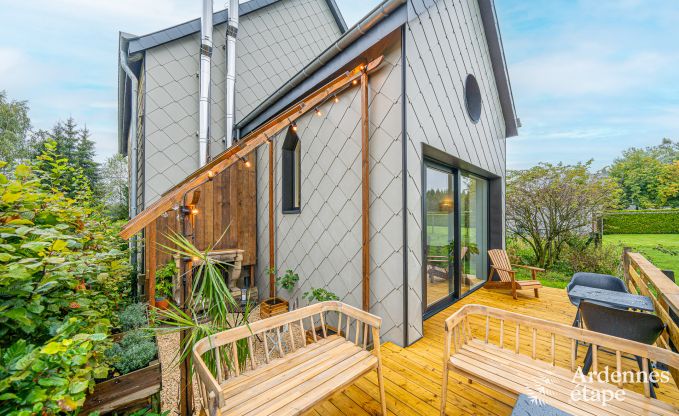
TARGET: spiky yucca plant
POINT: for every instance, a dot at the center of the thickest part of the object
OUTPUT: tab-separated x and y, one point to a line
210	308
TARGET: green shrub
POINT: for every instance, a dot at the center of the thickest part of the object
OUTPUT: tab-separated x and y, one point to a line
133	317
642	222
603	259
62	277
319	295
134	351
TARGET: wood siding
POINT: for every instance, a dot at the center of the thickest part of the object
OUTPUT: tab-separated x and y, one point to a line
227	205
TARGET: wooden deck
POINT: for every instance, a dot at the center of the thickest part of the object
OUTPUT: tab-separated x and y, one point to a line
413	374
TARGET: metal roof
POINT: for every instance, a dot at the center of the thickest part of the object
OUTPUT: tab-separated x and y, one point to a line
160	37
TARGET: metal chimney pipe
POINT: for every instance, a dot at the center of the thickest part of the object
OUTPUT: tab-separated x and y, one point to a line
204	98
230	84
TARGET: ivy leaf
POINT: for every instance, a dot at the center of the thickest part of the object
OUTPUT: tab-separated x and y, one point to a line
22	171
5	257
59	245
78	386
53	348
36	246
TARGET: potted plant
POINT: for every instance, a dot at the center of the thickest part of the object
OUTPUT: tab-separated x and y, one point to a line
275	305
320	295
164	285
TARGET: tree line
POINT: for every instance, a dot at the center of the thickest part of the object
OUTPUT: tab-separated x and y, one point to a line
20	142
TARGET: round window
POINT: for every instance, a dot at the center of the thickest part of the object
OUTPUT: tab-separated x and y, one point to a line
472	98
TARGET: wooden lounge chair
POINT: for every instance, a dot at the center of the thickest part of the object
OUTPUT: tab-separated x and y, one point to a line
500	264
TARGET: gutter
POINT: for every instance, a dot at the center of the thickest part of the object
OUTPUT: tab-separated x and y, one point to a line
359	29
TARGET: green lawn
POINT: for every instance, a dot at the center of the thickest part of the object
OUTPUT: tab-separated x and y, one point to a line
661	249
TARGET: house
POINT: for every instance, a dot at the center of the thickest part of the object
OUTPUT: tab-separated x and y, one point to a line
376	171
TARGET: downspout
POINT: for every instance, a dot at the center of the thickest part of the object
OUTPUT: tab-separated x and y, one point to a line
230	84
133	134
204	98
132	154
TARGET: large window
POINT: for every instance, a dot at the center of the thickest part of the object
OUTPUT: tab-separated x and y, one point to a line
292	159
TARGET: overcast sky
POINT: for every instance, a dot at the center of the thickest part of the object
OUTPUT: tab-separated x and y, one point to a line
590	78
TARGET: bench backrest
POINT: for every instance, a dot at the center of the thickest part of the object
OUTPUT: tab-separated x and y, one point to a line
230	354
458	332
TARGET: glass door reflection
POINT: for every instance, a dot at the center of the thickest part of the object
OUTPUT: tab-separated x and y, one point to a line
439	234
473	231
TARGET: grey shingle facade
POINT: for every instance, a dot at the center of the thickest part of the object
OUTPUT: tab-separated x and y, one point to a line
445	41
323	242
273	44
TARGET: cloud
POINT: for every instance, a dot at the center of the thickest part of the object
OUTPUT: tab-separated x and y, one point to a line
586	71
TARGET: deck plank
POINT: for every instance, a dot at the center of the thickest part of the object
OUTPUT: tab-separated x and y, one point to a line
413	374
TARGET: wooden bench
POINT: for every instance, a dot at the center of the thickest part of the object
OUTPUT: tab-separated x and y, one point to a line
505	369
293	377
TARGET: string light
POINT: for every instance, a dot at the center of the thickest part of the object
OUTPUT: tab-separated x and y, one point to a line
336	99
293	126
194	211
210	175
245	161
318	112
354	82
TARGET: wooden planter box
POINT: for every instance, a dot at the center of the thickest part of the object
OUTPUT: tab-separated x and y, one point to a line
127	392
272	307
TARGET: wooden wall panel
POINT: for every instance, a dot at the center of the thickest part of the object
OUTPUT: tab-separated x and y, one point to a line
229	200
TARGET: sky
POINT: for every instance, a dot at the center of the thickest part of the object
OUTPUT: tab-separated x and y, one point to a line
590	78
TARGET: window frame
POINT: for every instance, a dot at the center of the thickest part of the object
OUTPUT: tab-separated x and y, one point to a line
291	171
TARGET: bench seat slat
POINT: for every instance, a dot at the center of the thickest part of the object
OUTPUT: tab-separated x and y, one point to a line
297	378
235	385
518	374
633	401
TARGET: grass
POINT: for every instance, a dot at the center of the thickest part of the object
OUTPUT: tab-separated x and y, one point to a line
660	249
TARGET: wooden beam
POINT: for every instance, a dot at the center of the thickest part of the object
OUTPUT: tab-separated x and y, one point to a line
150	262
246	145
365	190
272	235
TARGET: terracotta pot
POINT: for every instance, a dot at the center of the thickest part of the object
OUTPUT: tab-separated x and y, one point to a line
162	303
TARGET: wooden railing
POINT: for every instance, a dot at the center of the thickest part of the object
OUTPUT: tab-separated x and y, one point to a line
644	278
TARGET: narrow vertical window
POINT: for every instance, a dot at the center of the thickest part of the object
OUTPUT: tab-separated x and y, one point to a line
292	158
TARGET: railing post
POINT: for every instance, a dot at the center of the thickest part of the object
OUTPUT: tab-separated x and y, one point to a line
626	264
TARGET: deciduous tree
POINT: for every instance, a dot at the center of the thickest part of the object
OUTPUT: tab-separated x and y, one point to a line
549	203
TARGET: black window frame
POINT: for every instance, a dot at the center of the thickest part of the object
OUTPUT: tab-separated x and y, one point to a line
291	175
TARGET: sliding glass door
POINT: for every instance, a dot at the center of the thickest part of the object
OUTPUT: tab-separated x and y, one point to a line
439	234
455	234
473	231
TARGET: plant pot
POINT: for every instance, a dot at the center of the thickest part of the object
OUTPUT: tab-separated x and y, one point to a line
272	307
162	303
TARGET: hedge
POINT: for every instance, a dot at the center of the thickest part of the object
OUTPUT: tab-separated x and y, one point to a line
642	222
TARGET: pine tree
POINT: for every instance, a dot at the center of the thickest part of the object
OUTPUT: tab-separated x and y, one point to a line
83	156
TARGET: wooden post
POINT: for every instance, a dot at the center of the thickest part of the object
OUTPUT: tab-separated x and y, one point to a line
625	264
272	238
186	281
150	248
365	188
